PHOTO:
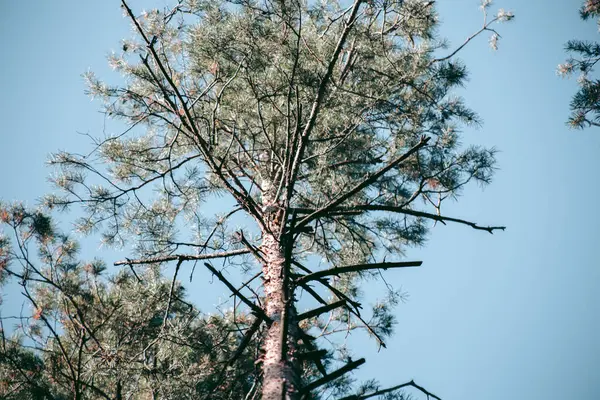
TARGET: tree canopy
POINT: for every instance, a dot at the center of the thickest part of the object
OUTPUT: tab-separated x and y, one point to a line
300	145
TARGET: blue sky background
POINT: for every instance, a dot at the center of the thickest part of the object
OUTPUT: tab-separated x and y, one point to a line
511	315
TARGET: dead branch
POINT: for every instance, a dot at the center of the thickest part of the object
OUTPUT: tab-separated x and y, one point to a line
356	268
321	310
353	210
256	309
183	257
334	375
391	389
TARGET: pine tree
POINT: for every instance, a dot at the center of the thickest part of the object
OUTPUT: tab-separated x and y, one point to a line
272	138
585	104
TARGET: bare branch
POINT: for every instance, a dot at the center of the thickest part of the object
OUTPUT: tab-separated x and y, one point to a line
356	268
321	310
307	340
249	281
312	355
184	257
356	306
171	291
314	294
485	27
256	309
335	291
353	210
391	389
243	344
334	375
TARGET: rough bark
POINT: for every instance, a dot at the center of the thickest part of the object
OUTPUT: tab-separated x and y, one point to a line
281	378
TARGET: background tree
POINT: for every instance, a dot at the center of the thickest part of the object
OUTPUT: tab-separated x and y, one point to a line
328	131
93	336
585	105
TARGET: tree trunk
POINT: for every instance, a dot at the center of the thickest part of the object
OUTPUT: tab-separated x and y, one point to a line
281	378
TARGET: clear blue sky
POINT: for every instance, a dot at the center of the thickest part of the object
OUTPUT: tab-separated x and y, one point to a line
515	314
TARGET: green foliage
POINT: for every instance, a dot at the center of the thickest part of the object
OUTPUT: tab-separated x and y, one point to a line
585	104
330	127
247	80
106	337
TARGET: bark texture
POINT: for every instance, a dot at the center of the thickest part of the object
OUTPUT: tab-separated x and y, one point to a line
280	367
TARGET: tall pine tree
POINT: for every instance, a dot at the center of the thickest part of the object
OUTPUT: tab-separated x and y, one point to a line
303	145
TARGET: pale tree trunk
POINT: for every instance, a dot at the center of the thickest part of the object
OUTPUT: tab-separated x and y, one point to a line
281	378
